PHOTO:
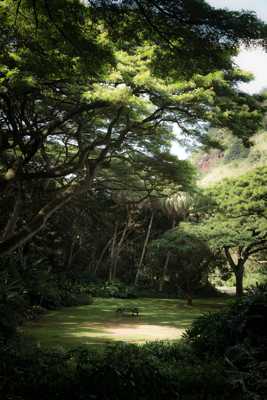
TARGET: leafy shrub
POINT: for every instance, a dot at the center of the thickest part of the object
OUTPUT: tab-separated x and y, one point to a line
179	352
222	358
207	290
236	151
246	320
63	294
118	372
237	336
113	289
12	305
22	297
211	334
76	299
32	313
30	373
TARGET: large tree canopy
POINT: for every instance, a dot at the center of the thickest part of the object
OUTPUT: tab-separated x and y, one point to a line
80	102
199	37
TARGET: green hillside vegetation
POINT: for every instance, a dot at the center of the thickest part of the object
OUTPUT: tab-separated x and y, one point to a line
232	162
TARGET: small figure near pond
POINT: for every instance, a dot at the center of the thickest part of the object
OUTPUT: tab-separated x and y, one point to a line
133	311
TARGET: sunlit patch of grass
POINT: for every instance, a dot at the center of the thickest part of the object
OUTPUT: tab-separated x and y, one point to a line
99	323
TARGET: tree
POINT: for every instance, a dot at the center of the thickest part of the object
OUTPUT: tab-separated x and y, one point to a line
237	223
77	102
177	206
53	120
194	37
189	258
172	206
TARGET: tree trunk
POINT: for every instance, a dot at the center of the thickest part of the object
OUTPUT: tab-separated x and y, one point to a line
139	268
11	224
118	250
237	268
239	275
69	257
189	300
100	259
188	292
165	267
113	253
71	246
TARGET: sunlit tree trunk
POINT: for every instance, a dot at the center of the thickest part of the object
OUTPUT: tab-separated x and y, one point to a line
103	252
165	269
239	277
118	250
12	222
113	252
237	268
140	264
166	264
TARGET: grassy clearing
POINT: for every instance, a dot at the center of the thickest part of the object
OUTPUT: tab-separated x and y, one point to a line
159	319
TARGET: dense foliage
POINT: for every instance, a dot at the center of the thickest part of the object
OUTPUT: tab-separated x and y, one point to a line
189	260
223	357
150	372
239	336
73	118
236	223
94	203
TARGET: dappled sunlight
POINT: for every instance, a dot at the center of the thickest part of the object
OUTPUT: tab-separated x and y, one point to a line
184	323
146	332
159	319
132	332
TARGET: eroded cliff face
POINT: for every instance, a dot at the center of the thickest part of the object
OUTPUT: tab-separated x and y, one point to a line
209	160
234	160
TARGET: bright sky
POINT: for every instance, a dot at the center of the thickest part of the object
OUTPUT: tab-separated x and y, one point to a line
253	60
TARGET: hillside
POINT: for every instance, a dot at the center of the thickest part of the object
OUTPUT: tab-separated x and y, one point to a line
234	160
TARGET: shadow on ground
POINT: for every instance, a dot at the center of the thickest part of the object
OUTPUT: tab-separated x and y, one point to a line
159	319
